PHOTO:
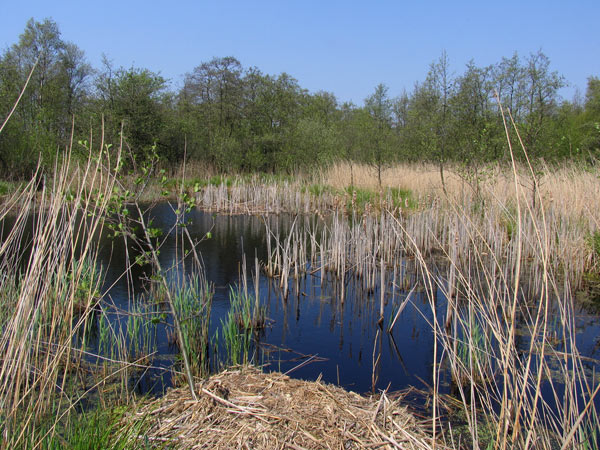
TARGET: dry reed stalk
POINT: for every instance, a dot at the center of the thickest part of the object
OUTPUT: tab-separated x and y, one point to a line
494	373
18	100
47	311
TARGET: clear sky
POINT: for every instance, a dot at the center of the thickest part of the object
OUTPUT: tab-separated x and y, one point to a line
345	47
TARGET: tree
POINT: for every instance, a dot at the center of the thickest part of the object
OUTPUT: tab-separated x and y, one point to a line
509	83
476	136
440	82
592	97
349	134
379	107
76	73
42	123
529	91
542	88
428	121
321	106
213	93
134	100
311	139
280	102
590	122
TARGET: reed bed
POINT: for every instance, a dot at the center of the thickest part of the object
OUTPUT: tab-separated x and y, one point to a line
507	336
507	268
569	197
569	184
363	245
489	304
256	197
48	292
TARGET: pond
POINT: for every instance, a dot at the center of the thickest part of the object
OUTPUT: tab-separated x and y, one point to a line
314	331
310	332
318	326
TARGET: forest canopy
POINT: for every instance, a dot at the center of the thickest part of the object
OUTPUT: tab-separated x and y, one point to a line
237	118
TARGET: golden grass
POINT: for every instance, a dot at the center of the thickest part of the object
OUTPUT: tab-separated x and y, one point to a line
570	195
572	189
420	178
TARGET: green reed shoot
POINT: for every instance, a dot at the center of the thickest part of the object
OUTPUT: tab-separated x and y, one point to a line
193	303
239	328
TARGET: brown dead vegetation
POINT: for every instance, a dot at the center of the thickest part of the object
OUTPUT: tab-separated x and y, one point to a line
246	408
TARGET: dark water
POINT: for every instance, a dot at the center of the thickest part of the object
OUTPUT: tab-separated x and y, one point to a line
311	332
341	337
311	322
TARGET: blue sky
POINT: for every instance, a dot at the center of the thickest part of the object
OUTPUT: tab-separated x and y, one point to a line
345	47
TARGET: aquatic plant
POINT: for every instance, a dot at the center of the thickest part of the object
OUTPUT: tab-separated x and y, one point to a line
244	320
140	326
193	300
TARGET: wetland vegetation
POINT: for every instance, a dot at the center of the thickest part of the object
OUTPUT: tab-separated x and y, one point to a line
435	243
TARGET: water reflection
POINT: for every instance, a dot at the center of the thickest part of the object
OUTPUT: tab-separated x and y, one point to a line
328	322
312	320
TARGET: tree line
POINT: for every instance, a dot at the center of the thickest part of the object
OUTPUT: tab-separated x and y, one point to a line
241	119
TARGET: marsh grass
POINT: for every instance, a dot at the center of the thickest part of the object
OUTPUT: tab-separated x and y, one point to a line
241	327
193	300
140	329
93	429
49	291
507	268
245	321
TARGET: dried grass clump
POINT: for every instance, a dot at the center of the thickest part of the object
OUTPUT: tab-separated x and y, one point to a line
246	408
